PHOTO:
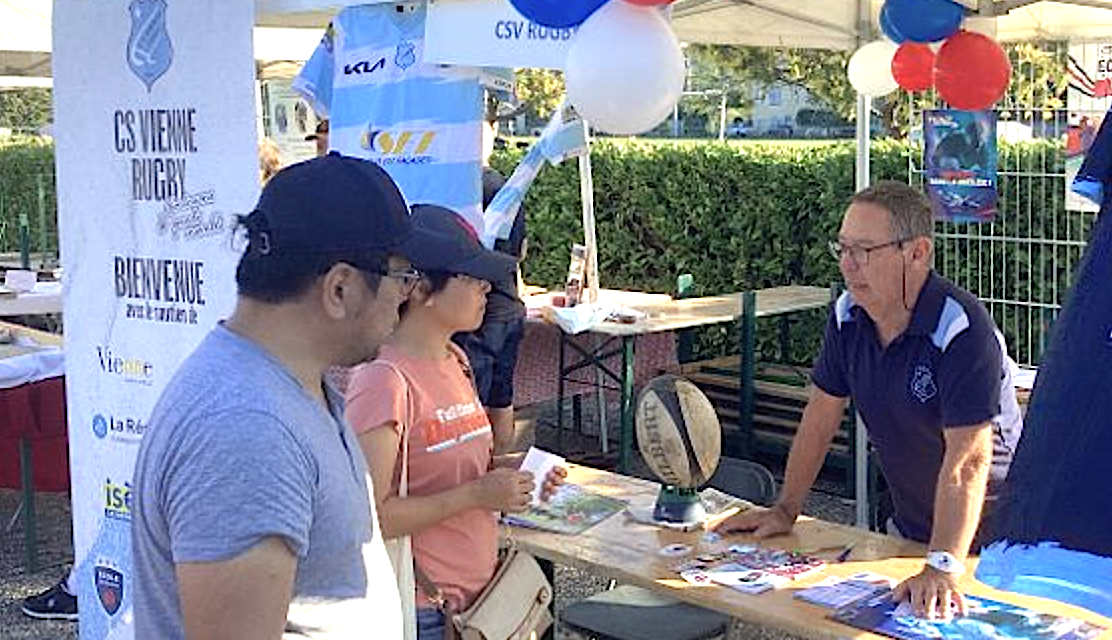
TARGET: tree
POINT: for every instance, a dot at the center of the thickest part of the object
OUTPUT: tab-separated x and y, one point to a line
1038	80
540	92
25	109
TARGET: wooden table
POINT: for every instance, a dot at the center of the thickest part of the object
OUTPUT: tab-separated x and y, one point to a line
626	551
665	314
46	301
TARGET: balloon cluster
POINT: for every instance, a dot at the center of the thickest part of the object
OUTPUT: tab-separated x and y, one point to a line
625	70
970	70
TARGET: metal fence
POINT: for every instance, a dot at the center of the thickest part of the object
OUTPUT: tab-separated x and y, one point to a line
1023	263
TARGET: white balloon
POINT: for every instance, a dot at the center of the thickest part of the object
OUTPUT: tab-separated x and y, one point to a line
624	71
870	69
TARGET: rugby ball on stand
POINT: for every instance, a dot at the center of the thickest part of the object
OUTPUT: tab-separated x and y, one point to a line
680	439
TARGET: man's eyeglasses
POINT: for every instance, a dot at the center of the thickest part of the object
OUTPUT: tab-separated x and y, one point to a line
858	254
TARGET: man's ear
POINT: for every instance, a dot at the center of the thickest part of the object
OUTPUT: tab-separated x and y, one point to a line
921	251
338	288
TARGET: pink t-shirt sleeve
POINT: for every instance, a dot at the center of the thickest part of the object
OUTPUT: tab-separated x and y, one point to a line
376	395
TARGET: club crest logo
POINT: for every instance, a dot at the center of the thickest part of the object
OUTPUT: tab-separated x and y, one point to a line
149	50
406	55
922	384
110	588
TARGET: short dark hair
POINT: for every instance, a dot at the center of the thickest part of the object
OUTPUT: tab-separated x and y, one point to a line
280	278
909	211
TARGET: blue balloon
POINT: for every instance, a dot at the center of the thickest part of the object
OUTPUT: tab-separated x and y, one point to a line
557	14
887	28
924	20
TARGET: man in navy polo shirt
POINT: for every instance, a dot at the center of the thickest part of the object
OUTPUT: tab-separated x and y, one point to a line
921	360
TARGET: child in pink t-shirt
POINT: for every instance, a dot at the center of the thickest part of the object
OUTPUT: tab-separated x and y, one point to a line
420	388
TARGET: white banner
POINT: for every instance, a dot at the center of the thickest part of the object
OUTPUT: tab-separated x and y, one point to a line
156	150
491	33
1088	99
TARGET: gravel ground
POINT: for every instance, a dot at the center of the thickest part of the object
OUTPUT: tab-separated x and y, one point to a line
56	554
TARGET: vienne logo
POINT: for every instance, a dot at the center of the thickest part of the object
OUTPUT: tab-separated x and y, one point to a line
130	369
405	55
110	587
405	146
149	50
922	384
117	500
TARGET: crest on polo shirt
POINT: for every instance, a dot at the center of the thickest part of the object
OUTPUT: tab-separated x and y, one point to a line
922	384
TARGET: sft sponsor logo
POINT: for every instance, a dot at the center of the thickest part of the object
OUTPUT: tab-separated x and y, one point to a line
131	369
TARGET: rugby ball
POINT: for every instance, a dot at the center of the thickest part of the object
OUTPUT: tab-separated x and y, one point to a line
678	432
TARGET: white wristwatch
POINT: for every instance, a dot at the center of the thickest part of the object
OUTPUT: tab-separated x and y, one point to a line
945	562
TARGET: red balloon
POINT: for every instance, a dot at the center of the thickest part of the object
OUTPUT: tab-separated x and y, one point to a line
913	66
649	3
971	71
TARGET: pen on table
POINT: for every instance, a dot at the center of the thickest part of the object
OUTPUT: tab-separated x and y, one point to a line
844	555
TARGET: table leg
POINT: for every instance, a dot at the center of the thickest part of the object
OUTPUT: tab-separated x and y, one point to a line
560	397
28	481
748	371
549	569
625	444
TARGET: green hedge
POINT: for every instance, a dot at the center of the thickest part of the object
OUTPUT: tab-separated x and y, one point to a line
736	217
27	189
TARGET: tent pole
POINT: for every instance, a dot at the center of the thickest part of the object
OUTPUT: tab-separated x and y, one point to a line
861	166
587	194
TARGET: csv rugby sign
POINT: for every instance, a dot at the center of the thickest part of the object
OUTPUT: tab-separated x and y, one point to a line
491	33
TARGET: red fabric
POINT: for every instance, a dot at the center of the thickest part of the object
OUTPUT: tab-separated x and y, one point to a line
37	412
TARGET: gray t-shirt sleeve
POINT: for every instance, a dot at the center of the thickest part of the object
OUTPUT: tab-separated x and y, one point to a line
238	478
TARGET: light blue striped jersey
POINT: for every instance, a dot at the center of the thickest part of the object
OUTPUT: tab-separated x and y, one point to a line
421	122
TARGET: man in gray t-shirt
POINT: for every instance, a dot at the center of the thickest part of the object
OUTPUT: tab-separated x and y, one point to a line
253	516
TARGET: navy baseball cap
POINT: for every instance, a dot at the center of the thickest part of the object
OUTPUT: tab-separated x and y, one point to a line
336	204
462	253
322	127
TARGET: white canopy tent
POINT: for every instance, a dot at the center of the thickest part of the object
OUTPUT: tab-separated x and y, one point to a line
25	43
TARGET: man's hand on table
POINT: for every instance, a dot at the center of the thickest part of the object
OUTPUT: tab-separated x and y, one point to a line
933	594
763	523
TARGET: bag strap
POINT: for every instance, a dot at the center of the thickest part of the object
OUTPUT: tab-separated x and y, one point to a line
432	592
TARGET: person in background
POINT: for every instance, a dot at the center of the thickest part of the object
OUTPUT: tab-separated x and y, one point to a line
420	389
253	514
493	348
922	361
270	160
320	137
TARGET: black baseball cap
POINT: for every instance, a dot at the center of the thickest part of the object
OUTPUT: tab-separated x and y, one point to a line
322	127
463	253
336	204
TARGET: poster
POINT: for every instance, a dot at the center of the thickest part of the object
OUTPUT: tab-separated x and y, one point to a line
155	147
288	119
960	159
1088	98
984	620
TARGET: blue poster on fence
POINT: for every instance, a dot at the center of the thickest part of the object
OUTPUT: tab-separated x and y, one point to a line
960	160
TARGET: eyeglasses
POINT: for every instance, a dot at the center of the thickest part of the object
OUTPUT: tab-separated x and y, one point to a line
408	276
857	254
